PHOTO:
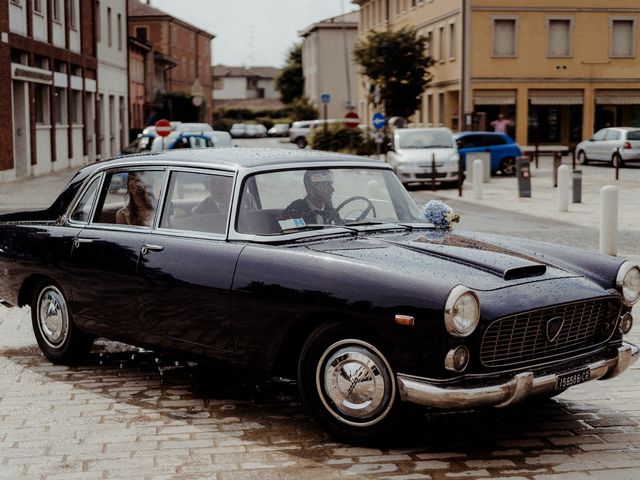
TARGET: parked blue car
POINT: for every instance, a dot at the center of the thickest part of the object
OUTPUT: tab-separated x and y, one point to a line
504	150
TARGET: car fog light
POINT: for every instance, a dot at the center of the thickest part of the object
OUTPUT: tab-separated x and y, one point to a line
626	322
461	312
628	282
457	359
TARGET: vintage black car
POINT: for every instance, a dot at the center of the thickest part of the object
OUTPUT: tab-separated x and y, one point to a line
315	266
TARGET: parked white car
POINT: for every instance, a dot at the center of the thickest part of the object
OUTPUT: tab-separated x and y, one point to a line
614	144
413	151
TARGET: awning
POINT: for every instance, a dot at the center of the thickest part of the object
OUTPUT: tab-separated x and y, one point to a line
555	97
618	97
494	97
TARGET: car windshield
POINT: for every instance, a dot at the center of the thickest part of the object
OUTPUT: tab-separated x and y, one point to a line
277	203
424	139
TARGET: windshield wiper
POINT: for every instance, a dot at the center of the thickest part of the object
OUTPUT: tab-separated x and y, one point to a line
362	224
304	228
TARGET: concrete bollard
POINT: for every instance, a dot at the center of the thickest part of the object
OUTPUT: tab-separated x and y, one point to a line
563	188
478	168
608	220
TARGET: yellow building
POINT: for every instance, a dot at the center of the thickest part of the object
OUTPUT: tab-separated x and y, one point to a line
558	69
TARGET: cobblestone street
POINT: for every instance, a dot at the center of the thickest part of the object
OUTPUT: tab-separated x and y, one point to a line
128	413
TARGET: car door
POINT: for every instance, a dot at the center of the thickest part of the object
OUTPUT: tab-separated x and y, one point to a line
187	266
595	148
105	256
612	141
469	144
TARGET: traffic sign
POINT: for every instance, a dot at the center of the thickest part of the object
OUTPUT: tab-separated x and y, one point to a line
352	119
163	127
378	120
325	98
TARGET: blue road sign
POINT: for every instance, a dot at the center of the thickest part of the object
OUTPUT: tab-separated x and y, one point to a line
325	98
378	120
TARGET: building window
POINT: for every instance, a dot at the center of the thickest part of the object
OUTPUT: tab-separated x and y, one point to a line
119	32
142	33
109	28
76	107
17	2
57	13
441	109
61	106
42	104
623	38
504	37
558	37
441	54
37	6
452	41
73	21
430	48
430	118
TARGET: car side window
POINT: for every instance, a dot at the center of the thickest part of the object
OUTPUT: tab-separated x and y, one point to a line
466	142
599	135
612	135
129	198
197	202
83	207
489	140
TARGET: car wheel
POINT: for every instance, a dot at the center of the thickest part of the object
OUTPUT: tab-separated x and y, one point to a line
617	161
348	384
508	166
301	142
582	158
57	336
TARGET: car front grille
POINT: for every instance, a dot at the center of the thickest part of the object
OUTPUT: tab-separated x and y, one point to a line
525	337
428	175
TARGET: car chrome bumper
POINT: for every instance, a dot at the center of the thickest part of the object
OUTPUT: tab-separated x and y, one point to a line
522	385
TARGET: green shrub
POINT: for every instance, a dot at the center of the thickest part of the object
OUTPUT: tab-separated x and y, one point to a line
340	138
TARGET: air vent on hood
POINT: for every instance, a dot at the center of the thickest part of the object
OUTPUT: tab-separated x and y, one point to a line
524	272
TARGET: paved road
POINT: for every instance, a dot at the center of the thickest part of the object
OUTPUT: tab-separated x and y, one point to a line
128	413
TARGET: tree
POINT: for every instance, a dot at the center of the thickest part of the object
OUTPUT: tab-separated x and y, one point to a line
290	81
396	63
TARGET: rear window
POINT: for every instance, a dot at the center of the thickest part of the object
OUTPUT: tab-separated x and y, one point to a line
633	135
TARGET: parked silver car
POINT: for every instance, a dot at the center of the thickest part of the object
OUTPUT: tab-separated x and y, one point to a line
413	151
615	144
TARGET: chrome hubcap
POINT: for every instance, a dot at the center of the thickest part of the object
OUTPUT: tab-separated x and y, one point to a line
354	383
53	318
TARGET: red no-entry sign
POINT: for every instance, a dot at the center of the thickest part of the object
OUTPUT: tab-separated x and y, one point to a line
352	119
163	127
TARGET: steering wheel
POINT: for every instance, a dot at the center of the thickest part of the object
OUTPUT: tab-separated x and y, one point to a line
369	208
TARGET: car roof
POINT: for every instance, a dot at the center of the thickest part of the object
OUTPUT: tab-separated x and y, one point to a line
236	158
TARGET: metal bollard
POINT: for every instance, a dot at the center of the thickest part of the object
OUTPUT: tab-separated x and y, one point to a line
563	188
433	172
608	220
577	186
557	161
478	168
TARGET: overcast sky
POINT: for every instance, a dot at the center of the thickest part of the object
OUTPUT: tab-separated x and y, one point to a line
253	32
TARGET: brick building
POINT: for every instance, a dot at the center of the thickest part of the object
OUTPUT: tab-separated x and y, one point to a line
48	85
185	91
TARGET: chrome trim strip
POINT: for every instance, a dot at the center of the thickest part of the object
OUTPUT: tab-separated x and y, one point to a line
525	384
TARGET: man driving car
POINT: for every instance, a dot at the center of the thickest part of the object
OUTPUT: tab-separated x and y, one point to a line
316	207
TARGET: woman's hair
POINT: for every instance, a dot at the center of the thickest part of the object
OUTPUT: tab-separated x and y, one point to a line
132	207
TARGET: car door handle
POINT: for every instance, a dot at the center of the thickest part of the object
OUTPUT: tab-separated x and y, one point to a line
147	247
80	241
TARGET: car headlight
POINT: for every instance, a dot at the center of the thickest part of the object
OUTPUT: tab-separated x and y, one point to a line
461	312
628	282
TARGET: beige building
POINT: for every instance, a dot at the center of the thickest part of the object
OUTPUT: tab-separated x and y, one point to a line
559	69
328	64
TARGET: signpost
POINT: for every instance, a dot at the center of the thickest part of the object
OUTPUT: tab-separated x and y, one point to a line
325	99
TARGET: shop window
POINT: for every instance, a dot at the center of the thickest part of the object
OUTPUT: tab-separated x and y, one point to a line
622	38
504	37
558	37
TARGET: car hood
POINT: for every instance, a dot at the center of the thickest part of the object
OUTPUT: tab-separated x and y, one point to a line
416	155
453	258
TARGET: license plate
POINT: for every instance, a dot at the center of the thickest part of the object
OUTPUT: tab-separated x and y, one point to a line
570	379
